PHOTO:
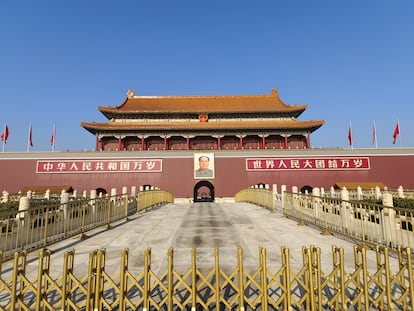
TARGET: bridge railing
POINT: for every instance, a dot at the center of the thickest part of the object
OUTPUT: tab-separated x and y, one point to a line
375	286
152	198
258	196
37	227
367	223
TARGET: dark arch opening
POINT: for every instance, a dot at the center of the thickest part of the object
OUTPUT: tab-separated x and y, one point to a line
146	187
101	191
306	188
203	191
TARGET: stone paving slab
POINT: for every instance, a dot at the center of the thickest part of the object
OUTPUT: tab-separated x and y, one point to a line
204	226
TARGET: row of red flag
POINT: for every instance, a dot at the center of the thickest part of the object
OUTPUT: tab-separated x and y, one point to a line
374	134
6	133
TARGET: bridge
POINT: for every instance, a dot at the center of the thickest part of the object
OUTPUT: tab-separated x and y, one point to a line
211	255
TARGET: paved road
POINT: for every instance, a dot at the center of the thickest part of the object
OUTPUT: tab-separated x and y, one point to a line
202	225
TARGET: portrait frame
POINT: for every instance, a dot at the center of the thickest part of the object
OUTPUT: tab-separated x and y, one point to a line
210	173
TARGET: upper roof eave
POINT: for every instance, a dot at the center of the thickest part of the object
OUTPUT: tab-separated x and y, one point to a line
263	103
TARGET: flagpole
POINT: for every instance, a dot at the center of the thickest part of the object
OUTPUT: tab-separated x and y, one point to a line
53	137
399	132
351	141
4	133
28	137
375	135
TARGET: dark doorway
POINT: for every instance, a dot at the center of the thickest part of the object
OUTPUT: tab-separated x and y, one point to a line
203	191
101	191
306	189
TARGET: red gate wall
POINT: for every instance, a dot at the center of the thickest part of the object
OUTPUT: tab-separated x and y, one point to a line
392	167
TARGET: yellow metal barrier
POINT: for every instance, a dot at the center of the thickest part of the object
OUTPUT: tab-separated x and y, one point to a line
259	196
39	227
371	224
152	198
237	288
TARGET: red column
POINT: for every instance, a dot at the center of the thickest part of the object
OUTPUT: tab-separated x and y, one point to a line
263	142
188	143
241	142
97	142
165	142
119	143
218	142
308	141
286	141
142	143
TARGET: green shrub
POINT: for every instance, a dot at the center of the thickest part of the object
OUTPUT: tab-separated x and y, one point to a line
9	206
397	202
404	203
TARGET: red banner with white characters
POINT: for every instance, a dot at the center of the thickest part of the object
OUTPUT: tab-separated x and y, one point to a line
323	163
99	166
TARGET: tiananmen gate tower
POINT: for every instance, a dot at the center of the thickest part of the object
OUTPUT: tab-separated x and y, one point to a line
202	123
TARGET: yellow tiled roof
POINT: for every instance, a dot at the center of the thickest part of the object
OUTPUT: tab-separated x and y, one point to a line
204	104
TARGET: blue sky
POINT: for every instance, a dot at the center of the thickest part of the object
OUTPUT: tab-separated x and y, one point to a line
349	61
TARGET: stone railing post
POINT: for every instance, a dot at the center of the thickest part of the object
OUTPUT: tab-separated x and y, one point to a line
64	199
22	225
345	205
295	197
316	202
359	195
125	200
124	191
388	218
332	192
282	195
400	192
24	205
113	194
134	191
377	193
5	197
276	198
47	194
92	201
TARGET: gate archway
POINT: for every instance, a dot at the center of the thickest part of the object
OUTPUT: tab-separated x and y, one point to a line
203	191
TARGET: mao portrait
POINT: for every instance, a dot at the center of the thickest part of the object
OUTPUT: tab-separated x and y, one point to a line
203	165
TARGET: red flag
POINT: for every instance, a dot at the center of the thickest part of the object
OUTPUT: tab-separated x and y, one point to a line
350	135
396	133
52	138
30	136
374	134
5	134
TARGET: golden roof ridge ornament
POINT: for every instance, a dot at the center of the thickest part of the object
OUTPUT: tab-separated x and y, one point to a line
130	93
